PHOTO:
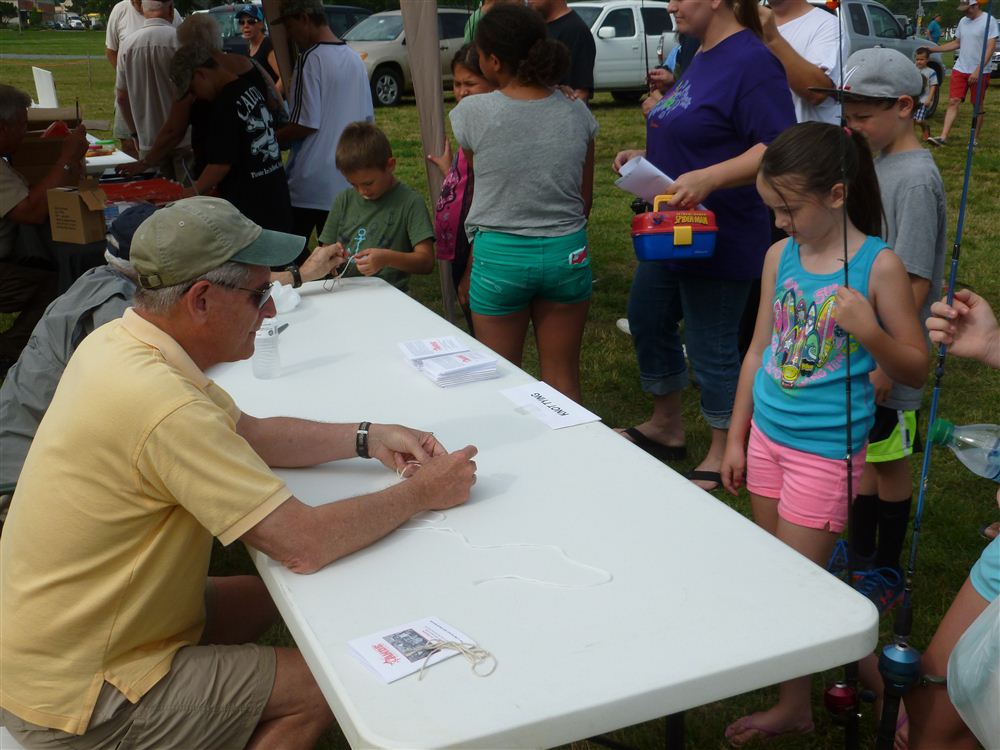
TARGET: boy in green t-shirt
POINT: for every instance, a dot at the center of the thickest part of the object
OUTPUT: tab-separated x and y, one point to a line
382	226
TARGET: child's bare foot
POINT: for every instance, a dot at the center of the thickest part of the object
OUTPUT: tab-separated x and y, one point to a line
767	725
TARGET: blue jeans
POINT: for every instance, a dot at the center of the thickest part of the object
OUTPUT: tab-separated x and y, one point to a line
711	311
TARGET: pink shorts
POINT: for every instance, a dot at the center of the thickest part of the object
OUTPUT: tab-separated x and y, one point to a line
811	490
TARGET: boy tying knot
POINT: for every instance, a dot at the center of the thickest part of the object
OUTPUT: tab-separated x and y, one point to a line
382	226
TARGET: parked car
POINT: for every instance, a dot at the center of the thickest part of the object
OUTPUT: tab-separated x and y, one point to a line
870	24
340	18
627	34
75	23
381	42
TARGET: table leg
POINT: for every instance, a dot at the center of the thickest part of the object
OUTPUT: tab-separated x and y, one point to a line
675	732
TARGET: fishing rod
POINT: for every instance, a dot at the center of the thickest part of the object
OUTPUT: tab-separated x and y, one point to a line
899	662
841	699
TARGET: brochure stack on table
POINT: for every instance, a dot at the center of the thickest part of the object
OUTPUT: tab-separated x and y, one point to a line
448	362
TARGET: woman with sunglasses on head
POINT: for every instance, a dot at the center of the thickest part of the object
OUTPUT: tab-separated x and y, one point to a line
251	23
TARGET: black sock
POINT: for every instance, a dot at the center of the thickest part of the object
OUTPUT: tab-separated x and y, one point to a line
893	520
864	524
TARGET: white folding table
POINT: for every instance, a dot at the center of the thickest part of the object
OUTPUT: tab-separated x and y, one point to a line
701	604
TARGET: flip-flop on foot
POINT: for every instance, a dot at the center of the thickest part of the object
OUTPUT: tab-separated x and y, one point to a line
657	450
699	475
761	734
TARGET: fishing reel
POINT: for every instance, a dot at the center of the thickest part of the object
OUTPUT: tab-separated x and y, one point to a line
640	206
899	665
842	702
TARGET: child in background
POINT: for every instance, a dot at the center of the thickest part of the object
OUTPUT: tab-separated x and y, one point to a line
792	382
920	58
452	243
532	149
382	226
884	88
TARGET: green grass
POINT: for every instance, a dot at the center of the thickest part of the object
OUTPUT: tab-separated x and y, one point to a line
51	42
957	502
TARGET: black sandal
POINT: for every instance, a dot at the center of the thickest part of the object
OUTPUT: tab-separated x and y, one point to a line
657	450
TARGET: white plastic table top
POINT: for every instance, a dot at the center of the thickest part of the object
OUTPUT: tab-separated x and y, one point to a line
96	165
703	605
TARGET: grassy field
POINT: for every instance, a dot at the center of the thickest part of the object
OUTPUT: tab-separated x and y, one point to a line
50	42
958	503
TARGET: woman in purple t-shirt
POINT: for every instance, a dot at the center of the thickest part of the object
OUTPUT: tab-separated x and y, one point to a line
709	132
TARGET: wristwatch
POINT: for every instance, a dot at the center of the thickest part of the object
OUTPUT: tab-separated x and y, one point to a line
361	439
296	275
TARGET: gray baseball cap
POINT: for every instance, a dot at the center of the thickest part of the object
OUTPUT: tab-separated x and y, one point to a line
193	236
877	73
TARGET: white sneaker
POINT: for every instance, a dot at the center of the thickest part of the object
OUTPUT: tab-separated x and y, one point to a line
622	325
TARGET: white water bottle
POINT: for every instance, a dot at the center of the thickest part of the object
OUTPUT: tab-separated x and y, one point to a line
266	359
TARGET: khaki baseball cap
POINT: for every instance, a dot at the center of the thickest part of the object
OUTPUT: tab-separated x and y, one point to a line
193	236
288	8
877	73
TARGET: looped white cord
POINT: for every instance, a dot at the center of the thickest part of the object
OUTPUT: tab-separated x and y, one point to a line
401	473
475	655
331	284
426	524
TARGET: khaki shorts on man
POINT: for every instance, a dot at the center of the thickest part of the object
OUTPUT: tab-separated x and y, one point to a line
213	696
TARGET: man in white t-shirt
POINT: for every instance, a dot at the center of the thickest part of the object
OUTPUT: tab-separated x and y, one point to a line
806	40
966	74
143	87
125	18
329	90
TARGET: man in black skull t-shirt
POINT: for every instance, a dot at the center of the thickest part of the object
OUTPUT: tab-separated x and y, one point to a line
243	161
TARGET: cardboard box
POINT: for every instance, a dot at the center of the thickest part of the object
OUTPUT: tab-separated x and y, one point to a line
40	118
35	156
77	214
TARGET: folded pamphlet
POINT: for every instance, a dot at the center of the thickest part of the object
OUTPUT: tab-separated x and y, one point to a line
420	349
447	361
464	367
396	652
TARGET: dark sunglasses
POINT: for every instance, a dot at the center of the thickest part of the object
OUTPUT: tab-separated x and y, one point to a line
246	21
262	295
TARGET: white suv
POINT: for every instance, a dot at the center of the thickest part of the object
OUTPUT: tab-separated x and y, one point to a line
627	35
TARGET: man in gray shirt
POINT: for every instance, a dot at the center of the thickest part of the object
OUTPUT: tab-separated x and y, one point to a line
99	296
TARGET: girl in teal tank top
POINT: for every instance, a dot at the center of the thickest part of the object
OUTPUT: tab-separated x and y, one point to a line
793	380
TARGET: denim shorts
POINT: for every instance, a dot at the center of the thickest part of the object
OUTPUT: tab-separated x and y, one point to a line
711	310
509	271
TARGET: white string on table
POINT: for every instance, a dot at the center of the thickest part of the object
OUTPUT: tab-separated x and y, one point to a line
474	654
420	524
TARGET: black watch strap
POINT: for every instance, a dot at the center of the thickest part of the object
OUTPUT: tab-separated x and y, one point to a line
361	439
296	275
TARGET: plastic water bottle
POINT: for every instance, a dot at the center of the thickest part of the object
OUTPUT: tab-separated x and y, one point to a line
266	359
976	445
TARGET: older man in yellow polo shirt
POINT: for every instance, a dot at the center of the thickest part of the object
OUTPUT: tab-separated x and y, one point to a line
113	635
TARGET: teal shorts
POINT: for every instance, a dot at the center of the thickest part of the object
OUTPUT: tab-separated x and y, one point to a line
509	271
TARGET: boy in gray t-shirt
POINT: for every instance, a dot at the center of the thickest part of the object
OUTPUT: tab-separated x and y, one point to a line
913	200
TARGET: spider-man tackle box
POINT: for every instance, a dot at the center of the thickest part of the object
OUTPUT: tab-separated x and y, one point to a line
673	235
